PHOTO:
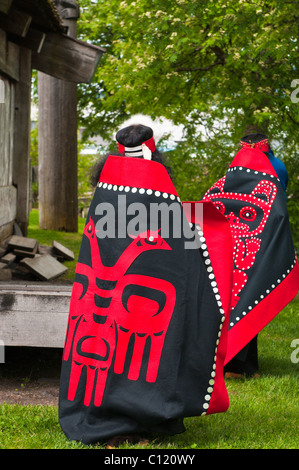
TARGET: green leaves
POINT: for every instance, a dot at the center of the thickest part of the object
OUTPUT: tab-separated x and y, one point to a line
230	63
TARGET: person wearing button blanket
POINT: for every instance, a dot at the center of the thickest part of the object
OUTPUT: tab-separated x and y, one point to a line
251	195
146	335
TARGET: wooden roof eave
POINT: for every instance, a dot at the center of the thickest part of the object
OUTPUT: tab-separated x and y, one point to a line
53	52
67	58
42	12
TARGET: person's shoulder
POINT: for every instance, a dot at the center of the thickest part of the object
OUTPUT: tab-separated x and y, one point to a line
280	163
276	161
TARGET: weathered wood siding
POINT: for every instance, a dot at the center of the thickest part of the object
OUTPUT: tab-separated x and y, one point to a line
8	193
21	146
34	315
15	105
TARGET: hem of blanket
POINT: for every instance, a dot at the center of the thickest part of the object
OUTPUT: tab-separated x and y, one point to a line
244	331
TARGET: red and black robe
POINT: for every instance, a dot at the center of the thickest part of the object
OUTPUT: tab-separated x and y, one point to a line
147	330
266	273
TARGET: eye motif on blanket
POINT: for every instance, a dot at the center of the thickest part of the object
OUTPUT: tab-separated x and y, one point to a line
247	215
105	314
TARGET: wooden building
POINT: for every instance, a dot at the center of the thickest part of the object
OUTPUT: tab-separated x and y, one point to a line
33	35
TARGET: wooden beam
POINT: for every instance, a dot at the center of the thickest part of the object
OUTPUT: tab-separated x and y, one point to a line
6	231
34	314
5	5
12	61
8	203
62	251
21	142
16	22
22	243
67	58
6	133
33	40
9	57
45	267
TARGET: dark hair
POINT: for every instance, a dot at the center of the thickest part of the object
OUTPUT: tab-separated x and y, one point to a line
130	136
253	138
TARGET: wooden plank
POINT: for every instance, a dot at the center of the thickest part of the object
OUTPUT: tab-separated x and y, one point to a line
8	258
23	243
45	249
67	58
62	251
9	58
24	254
2	92
5	5
5	275
57	154
6	231
45	267
34	315
21	147
6	134
2	42
13	55
8	201
16	22
34	40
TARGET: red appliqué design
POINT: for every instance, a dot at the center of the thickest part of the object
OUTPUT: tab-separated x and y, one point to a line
247	215
100	325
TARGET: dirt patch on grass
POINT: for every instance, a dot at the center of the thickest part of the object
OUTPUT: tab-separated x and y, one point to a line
30	376
33	393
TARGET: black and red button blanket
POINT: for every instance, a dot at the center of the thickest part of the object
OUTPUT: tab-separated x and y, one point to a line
148	321
266	273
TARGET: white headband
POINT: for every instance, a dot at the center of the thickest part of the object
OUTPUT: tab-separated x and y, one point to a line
144	150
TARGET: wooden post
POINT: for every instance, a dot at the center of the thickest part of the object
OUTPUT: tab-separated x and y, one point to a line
58	182
21	148
58	199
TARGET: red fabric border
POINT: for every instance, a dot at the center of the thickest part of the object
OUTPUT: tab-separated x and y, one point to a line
218	237
253	159
150	143
262	145
217	233
138	173
262	314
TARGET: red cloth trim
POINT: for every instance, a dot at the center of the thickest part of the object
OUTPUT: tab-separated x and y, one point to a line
262	145
218	236
253	159
150	143
217	233
254	321
138	173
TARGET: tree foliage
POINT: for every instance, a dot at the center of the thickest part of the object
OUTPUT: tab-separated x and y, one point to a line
220	69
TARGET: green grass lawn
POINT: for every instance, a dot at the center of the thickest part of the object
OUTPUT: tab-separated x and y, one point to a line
263	412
